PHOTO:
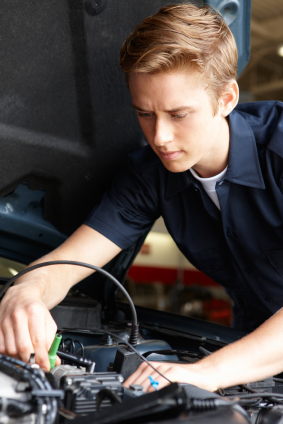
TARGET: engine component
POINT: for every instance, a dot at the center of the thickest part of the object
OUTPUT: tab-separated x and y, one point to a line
266	385
26	395
126	362
272	416
173	404
77	360
83	390
105	354
62	370
86	311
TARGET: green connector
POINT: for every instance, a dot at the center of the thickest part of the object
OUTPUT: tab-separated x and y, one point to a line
52	354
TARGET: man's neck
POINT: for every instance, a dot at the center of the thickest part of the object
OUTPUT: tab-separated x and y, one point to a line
217	160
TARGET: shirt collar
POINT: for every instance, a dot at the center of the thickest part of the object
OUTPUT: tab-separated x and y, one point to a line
243	167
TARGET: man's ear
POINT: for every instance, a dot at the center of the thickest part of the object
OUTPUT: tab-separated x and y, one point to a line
229	98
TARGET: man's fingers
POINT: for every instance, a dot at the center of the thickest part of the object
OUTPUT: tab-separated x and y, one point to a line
141	377
144	380
2	342
134	377
162	382
26	326
51	329
142	374
9	338
25	330
58	361
38	335
22	337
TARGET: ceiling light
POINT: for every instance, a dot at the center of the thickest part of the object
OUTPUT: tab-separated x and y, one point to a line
280	50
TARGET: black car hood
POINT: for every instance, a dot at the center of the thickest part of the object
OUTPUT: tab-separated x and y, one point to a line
66	121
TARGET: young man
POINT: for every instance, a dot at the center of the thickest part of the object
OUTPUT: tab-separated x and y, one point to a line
212	172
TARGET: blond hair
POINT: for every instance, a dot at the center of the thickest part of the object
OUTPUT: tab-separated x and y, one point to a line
183	36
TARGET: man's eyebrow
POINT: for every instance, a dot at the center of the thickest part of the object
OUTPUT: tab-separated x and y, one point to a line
184	107
139	108
177	109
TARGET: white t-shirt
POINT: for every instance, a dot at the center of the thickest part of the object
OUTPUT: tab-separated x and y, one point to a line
209	184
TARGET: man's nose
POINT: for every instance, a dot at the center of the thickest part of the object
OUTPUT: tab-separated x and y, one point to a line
163	133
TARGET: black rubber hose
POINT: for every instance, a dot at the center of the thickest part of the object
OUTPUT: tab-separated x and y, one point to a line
15	408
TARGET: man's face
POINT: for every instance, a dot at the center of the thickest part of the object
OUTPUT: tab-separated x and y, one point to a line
177	117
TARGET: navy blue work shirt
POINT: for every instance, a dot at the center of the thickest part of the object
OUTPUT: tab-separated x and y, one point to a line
240	247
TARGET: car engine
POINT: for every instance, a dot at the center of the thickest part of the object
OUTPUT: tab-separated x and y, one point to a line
88	387
97	357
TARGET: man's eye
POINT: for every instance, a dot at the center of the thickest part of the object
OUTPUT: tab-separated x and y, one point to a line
144	114
179	116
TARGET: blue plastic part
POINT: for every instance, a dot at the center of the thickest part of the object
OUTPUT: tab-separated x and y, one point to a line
154	383
24	234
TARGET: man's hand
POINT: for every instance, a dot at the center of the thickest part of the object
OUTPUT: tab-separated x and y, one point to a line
179	373
254	357
26	326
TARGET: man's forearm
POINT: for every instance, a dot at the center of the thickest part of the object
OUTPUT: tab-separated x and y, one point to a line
255	357
53	282
50	284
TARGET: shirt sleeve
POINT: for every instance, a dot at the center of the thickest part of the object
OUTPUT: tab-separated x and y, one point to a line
129	208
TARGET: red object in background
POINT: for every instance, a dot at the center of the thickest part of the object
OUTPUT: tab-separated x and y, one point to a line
214	310
218	311
168	276
145	249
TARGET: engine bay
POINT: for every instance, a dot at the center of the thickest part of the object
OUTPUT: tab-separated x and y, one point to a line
98	355
88	385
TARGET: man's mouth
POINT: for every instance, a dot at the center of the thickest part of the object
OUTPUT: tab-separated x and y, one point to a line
170	155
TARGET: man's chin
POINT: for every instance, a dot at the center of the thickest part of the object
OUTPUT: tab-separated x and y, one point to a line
175	166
